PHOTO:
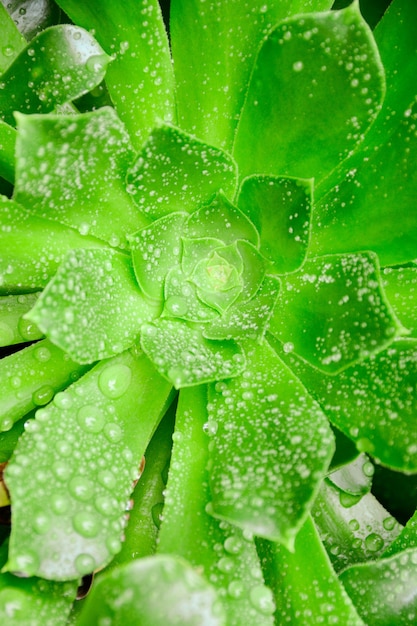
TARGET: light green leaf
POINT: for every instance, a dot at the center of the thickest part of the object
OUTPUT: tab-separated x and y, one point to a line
7	150
196	249
155	250
13	328
306	589
225	555
214	61
59	65
323	74
373	402
92	308
376	598
72	169
155	591
176	172
183	356
400	285
31	247
333	312
219	282
248	320
271	445
353	529
33	601
69	504
221	220
254	269
12	41
181	299
31	377
355	208
280	209
140	77
407	538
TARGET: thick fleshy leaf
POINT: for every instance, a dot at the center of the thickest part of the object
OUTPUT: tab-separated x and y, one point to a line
7	149
248	320
31	377
12	41
155	250
376	598
373	403
352	530
212	78
221	220
183	356
69	504
176	172
156	591
72	169
366	204
355	478
323	74
306	589
33	601
92	308
226	556
333	312
9	439
254	270
400	285
140	77
196	249
59	65
31	247
181	299
280	209
271	445
406	539
13	328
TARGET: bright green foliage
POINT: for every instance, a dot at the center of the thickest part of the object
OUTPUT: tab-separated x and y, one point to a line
226	210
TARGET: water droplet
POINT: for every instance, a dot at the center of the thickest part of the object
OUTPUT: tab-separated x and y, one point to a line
114	545
27	329
347	499
86	524
210	427
354	524
374	542
113	432
6	423
288	347
43	395
233	545
298	66
262	600
176	306
389	523
81	488
8	51
84	564
157	513
226	564
6	334
235	589
115	380
106	479
61	470
91	418
42	523
15	382
63	400
106	505
42	354
368	469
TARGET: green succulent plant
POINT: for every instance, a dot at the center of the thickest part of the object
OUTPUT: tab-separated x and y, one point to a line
208	260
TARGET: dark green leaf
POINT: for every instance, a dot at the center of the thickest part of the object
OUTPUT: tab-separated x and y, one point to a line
7	150
59	65
317	85
92	308
406	539
333	312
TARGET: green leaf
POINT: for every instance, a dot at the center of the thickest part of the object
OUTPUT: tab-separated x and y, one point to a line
407	538
140	77
7	150
333	312
72	169
280	209
12	41
181	299
225	555
32	247
176	172
155	249
248	320
221	220
323	74
33	601
59	65
376	598
182	355
155	591
382	386
32	17
31	377
353	529
13	328
400	285
306	589
270	447
69	504
355	210
101	325
213	61
354	478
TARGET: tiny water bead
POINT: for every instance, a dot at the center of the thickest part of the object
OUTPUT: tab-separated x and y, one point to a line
84	563
91	418
262	599
374	542
114	381
86	524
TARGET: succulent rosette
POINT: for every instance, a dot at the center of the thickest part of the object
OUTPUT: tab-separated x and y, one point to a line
204	249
